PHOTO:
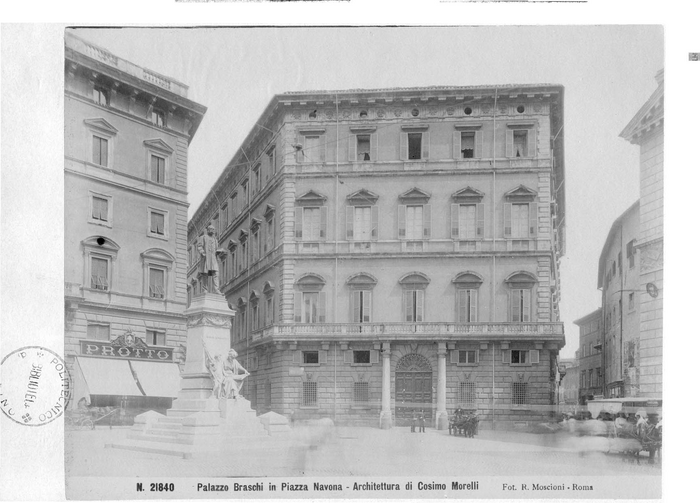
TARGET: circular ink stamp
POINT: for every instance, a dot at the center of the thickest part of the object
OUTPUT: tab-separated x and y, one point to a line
34	386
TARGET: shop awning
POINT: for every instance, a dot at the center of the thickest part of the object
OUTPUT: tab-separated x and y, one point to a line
105	376
157	379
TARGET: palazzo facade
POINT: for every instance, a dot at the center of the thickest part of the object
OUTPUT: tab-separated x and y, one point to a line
396	252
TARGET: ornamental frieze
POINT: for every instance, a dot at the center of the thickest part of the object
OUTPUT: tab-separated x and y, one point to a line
209	320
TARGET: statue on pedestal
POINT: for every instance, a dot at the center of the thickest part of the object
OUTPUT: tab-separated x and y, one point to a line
228	375
209	264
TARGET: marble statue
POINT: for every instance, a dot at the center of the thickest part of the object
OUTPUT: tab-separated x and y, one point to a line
209	264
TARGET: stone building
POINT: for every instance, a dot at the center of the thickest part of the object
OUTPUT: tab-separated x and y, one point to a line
568	386
618	279
395	252
589	356
127	132
646	129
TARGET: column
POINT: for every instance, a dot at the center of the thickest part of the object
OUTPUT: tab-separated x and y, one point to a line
441	419
385	416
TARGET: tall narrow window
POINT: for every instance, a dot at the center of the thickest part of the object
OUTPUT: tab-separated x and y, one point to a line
100	208
466	305
157	223
271	161
157	169
520	305
413	305
362	224
158	117
309	300
100	95
361	306
520	143
310	307
100	154
519	393
520	218
99	278
415	142
467	144
414	222
363	147
156	283
312	149
309	397
224	217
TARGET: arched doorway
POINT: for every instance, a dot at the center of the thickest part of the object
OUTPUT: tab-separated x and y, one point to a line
414	389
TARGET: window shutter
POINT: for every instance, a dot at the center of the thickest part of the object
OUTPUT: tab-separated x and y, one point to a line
322	148
457	145
95	208
356	307
473	297
533	219
348	356
367	306
298	222
509	143
349	220
296	357
426	221
297	307
460	305
322	307
505	354
373	356
402	221
534	356
403	147
507	231
425	143
454	356
322	357
419	305
480	220
373	147
478	144
532	143
408	305
95	150
352	147
375	222
323	233
455	221
514	299
526	305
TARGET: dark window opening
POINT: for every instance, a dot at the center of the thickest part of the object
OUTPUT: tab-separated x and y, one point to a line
310	357
468	356
518	356
415	141
361	357
520	143
467	145
363	147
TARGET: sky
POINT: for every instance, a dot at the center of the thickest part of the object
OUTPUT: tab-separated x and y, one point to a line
607	71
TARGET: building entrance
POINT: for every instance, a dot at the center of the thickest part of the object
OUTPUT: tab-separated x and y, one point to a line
414	390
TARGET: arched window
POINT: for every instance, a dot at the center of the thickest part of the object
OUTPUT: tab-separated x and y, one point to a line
467	296
520	284
414	285
100	269
310	300
157	265
361	286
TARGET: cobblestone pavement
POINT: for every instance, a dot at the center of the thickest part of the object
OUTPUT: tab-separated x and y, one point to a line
354	451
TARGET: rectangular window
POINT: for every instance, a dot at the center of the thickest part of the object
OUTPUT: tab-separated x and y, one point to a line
361	356
363	148
257	181
312	149
630	254
271	161
155	338
224	216
362	223
100	95
270	234
518	356
269	310
360	392
519	393
467	221
630	301
157	169
158	117
156	283
256	245
520	221
99	278
311	227
466	305
520	143
467	393
99	151
413	305
98	332
467	145
310	357
310	307
100	208
414	222
520	305
415	142
157	223
254	316
309	397
468	356
361	306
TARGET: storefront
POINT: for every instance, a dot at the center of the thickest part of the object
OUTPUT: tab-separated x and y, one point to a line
125	373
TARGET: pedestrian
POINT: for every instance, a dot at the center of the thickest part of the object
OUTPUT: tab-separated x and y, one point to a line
413	423
422	422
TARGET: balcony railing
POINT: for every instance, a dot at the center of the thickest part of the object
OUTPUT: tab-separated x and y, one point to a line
399	330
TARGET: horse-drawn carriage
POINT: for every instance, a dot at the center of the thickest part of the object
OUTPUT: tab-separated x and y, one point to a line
463	423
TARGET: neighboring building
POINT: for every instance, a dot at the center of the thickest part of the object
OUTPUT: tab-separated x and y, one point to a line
646	129
589	356
568	386
396	251
127	131
618	279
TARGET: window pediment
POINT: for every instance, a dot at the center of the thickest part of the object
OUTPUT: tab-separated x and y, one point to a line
362	281
255	224
268	288
254	296
312	131
158	255
242	303
269	211
362	129
468	279
243	236
468	126
415	195
521	279
362	197
520	124
232	244
310	282
311	198
468	195
521	193
100	243
159	144
101	125
414	127
414	280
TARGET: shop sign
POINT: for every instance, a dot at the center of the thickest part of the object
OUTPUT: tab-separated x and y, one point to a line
128	347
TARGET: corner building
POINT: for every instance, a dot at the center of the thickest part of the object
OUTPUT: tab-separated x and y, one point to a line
395	252
127	131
